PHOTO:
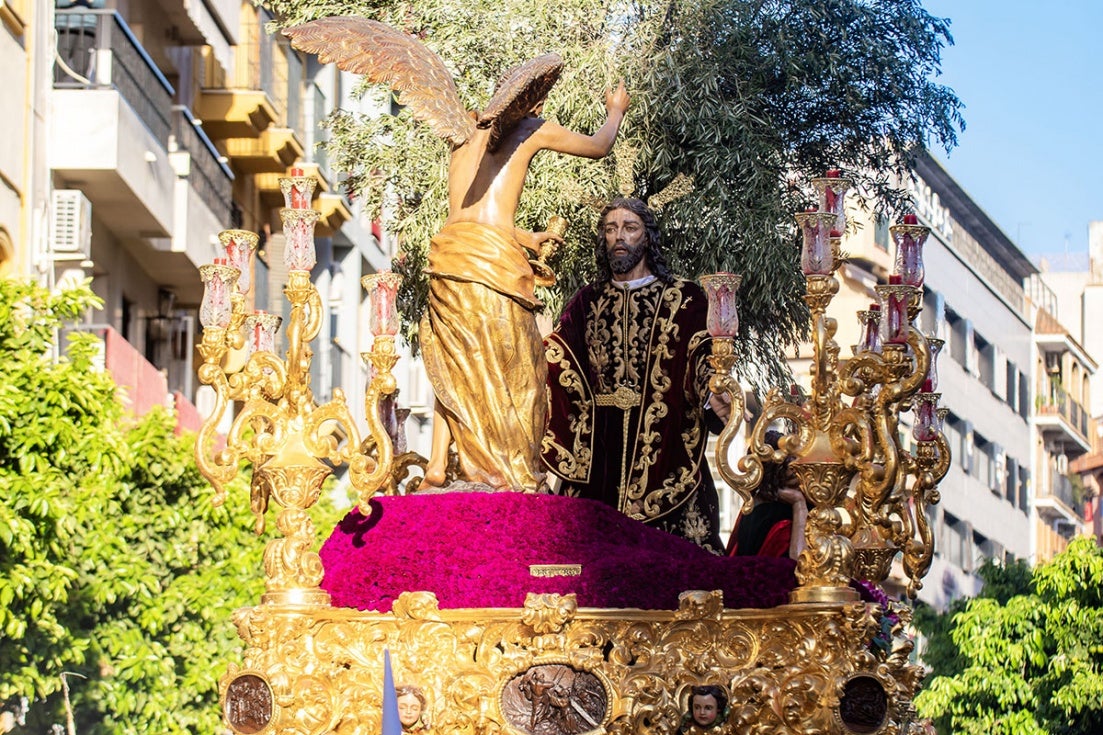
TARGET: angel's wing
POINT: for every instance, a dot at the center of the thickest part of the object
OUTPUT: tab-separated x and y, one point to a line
519	89
383	54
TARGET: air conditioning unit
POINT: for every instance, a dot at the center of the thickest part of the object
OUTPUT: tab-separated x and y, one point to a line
70	225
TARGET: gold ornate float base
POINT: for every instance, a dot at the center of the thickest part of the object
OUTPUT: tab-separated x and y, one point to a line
553	669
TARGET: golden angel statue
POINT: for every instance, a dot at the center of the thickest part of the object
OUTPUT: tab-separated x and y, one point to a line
481	346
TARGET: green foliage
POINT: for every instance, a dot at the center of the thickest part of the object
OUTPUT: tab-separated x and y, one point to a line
1029	657
751	99
940	653
113	563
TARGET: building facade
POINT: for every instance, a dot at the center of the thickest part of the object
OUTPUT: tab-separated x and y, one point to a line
1074	396
139	131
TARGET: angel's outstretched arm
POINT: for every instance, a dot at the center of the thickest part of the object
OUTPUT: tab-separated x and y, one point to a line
557	138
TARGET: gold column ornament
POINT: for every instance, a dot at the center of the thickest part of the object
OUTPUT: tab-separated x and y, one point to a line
290	440
867	493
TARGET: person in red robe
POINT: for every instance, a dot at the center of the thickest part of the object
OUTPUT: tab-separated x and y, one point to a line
628	385
775	525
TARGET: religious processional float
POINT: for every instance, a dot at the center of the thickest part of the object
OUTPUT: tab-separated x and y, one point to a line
534	614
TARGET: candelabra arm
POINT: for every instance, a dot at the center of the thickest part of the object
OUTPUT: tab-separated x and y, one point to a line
263	378
860	373
257	433
932	463
750	465
236	354
303	325
913	381
852	438
366	476
313	323
821	289
722	382
878	477
824	370
219	468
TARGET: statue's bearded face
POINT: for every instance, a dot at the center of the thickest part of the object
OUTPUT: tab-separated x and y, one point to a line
625	240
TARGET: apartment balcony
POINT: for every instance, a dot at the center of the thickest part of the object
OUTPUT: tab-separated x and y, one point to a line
203	192
1063	421
1056	501
234	113
111	119
335	213
211	23
245	103
1053	538
144	386
14	14
271	152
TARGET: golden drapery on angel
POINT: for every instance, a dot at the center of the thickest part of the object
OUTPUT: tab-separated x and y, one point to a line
479	337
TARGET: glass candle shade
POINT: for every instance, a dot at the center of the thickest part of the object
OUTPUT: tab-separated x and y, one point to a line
941	413
936	346
382	291
723	314
240	246
909	239
870	321
260	326
925	428
218	280
832	190
297	189
816	258
894	312
298	229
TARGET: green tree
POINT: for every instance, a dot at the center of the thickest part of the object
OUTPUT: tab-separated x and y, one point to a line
1001	583
749	98
114	564
1032	662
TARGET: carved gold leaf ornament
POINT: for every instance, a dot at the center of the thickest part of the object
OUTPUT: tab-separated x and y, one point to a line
787	669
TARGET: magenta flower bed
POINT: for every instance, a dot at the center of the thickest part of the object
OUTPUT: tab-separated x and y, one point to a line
474	550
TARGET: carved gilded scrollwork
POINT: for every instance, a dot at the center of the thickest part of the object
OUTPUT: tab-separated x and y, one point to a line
868	493
552	669
279	428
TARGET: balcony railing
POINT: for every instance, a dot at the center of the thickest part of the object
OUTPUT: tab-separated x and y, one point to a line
1056	402
98	51
259	64
209	175
1060	488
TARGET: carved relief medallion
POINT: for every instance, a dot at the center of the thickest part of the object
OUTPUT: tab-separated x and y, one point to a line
248	704
555	699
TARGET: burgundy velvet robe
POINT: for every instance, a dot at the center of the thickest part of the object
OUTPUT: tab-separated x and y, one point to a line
644	454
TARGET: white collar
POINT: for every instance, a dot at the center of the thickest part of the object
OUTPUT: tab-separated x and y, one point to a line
636	283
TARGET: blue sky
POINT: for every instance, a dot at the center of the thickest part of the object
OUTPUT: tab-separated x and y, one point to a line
1031	77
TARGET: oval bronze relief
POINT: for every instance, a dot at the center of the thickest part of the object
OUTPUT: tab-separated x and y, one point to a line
248	706
555	699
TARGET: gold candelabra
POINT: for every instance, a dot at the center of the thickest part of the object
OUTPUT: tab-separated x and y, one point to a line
292	442
867	492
